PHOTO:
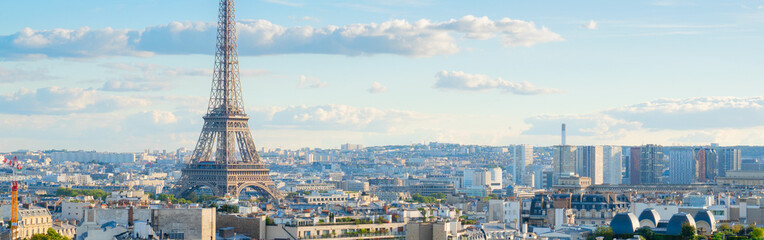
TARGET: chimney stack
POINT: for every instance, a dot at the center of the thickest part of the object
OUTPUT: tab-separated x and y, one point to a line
563	134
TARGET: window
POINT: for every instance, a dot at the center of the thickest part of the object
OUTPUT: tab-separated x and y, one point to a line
175	235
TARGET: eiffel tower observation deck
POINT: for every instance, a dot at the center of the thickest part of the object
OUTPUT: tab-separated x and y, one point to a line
225	159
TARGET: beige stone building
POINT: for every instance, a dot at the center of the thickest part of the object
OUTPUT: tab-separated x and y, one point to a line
33	220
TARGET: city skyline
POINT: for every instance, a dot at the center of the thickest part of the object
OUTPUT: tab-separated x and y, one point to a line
385	73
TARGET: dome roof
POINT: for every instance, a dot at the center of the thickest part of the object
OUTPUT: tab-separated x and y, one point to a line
650	214
705	216
675	223
624	223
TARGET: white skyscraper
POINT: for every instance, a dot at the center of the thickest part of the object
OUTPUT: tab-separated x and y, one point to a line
494	180
468	179
612	163
681	166
589	163
522	155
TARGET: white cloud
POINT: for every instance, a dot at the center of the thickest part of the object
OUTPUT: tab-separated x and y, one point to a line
591	25
155	77
285	3
304	19
695	113
513	32
130	86
310	82
8	75
377	87
422	38
666	119
477	82
82	42
332	117
56	101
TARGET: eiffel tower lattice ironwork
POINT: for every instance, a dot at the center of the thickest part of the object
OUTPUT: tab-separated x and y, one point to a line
225	158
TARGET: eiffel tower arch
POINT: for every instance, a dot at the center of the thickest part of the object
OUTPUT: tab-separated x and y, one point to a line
225	159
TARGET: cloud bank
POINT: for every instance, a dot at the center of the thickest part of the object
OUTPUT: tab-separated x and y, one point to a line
459	80
422	38
696	114
61	101
332	117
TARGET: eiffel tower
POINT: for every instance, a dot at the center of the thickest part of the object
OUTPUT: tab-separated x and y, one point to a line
225	159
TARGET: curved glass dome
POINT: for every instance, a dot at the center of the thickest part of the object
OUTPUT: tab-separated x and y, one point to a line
675	223
624	223
650	214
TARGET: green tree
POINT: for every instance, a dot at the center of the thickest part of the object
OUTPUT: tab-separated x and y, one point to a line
757	232
228	208
439	195
738	229
422	199
604	231
723	227
66	192
688	231
50	235
645	232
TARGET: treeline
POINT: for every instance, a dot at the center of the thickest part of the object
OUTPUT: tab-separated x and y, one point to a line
723	232
68	192
190	198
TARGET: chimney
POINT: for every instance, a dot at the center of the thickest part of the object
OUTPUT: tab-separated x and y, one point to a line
130	216
563	134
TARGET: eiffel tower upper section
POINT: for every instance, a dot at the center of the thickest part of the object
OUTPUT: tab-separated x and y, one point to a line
226	138
225	96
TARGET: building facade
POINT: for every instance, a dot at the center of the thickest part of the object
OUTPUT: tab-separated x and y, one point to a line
612	161
651	164
563	161
589	163
522	156
729	160
681	166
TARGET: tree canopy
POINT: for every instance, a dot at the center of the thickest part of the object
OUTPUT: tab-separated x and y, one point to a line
68	192
50	235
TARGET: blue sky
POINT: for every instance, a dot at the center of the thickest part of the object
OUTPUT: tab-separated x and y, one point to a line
131	75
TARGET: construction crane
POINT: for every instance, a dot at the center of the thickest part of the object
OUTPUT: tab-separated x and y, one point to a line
14	208
15	165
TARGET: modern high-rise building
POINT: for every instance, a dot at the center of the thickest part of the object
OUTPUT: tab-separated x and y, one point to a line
712	161
589	163
563	161
494	180
651	164
682	166
539	174
634	165
522	156
482	178
612	164
705	164
468	178
699	170
728	160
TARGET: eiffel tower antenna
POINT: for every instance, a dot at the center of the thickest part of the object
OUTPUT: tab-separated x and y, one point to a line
225	158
